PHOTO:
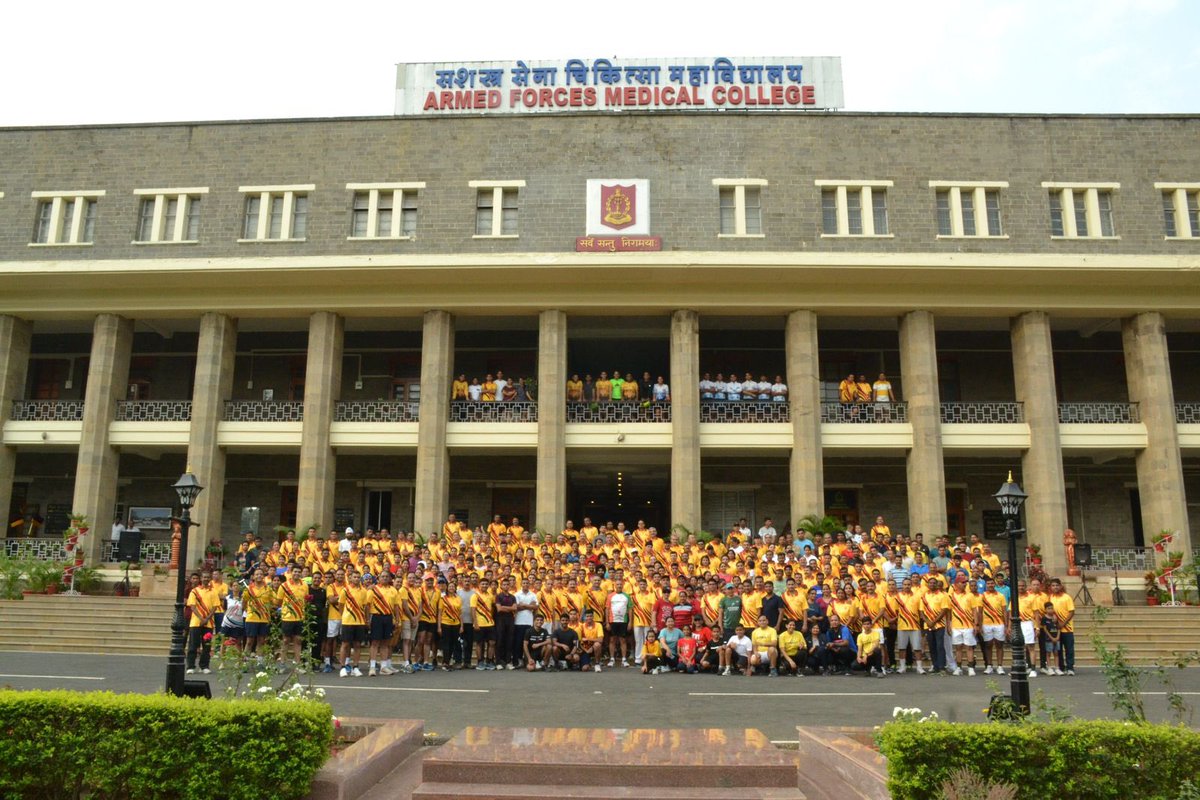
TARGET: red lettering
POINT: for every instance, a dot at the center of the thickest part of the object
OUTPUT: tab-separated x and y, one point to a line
514	97
697	100
668	96
684	99
643	95
447	100
718	95
792	95
431	102
560	96
810	95
493	100
612	95
735	95
630	96
576	96
589	96
776	95
545	97
529	98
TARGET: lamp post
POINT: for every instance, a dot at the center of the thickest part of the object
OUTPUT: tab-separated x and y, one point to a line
187	488
1011	498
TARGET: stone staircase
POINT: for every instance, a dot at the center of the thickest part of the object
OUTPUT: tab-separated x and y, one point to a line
87	624
1149	633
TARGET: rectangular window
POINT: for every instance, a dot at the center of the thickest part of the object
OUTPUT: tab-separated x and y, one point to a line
169	215
1081	210
1181	209
968	208
854	208
275	213
739	206
496	207
384	210
65	218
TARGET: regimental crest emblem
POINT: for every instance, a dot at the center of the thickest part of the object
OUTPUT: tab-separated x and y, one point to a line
618	206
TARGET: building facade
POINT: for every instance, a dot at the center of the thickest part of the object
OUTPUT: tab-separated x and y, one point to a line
284	305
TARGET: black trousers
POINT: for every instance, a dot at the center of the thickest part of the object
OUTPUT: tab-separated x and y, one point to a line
517	644
196	644
504	639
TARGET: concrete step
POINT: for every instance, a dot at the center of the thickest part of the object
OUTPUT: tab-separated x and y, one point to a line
109	650
538	791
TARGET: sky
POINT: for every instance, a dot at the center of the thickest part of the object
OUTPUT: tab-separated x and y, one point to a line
72	62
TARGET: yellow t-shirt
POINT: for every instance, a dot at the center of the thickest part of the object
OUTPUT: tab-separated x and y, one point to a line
333	596
751	607
908	608
868	643
450	612
293	598
431	600
591	633
385	601
790	642
1031	608
993	608
962	610
354	605
204	603
483	609
257	601
651	649
458	390
1064	606
488	393
933	605
764	638
574	390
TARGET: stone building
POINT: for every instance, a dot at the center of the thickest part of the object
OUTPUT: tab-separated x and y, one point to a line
284	304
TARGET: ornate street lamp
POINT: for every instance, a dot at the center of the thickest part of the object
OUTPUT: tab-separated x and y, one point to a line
187	487
1011	498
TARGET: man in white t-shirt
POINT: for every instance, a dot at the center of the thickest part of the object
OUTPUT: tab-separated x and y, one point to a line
767	532
733	389
501	382
779	390
882	390
347	543
719	387
736	652
707	387
661	391
749	387
475	390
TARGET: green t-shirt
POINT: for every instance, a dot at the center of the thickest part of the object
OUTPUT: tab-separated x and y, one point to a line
617	383
731	612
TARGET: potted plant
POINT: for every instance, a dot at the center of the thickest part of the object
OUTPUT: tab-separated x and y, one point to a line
87	579
1152	590
1034	553
80	522
12	578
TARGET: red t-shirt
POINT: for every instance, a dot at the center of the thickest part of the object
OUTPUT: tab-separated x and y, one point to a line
685	648
662	610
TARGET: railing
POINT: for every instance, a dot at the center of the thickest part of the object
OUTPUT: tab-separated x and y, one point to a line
1098	412
865	413
744	411
150	553
495	411
1125	558
375	411
621	411
47	410
54	549
992	413
258	411
154	411
1187	412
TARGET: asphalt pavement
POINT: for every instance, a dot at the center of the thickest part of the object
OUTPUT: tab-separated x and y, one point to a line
618	698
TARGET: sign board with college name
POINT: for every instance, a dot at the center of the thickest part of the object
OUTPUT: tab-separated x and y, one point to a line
761	84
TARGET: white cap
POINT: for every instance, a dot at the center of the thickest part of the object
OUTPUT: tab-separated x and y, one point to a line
349	530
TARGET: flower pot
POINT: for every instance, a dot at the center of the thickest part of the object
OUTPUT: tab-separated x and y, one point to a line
1151	601
52	588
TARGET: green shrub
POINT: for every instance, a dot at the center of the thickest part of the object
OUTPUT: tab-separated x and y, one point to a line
1094	760
105	746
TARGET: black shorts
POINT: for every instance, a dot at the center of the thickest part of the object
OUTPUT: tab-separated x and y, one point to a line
382	628
231	632
427	627
486	634
255	630
292	628
741	661
618	629
354	634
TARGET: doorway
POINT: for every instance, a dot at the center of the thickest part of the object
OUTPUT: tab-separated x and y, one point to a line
379	508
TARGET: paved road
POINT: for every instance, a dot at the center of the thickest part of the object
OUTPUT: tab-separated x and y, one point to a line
613	699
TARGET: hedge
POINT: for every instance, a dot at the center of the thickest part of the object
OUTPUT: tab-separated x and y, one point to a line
104	746
1094	760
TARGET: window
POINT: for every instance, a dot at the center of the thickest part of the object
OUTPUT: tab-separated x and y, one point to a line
275	213
854	208
740	205
384	210
1081	210
1181	209
496	208
968	208
65	218
168	215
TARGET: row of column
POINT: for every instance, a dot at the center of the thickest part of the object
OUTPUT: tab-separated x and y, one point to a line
1159	465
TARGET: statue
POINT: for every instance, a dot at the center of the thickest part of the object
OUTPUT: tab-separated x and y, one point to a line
1069	542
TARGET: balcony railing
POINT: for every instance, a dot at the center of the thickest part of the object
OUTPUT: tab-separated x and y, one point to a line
864	413
988	413
154	411
54	549
1187	413
496	411
47	410
258	411
375	411
1122	558
744	411
1098	412
622	411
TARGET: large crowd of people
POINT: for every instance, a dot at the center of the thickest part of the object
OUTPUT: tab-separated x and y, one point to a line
499	597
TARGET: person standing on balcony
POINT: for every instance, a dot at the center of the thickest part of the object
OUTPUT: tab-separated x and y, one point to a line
509	393
488	394
881	391
733	389
575	389
458	389
848	395
618	387
719	387
864	391
707	387
630	391
475	391
604	389
661	391
749	387
589	389
779	390
501	382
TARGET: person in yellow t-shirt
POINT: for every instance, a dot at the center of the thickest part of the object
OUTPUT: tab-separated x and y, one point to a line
591	641
483	612
629	388
385	613
870	651
792	649
652	653
765	640
574	390
908	627
257	601
965	625
450	623
458	389
355	599
1031	619
935	614
488	393
204	601
1064	611
604	389
996	621
427	622
293	600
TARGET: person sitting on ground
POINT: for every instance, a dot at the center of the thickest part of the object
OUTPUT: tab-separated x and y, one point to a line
653	662
792	650
736	652
565	647
766	647
537	646
870	654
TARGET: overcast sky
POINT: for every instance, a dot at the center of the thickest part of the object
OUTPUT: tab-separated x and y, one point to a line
72	62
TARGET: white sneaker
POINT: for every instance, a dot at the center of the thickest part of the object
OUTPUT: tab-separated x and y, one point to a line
191	671
989	670
356	672
1070	672
206	671
596	668
725	671
562	664
920	670
509	666
901	669
957	671
624	662
637	662
1058	672
371	673
970	672
999	670
1032	673
612	662
344	673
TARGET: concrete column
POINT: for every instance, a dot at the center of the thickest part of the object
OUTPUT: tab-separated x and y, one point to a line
213	386
685	419
433	459
322	388
926	470
15	338
96	469
1041	466
551	509
1159	466
806	469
